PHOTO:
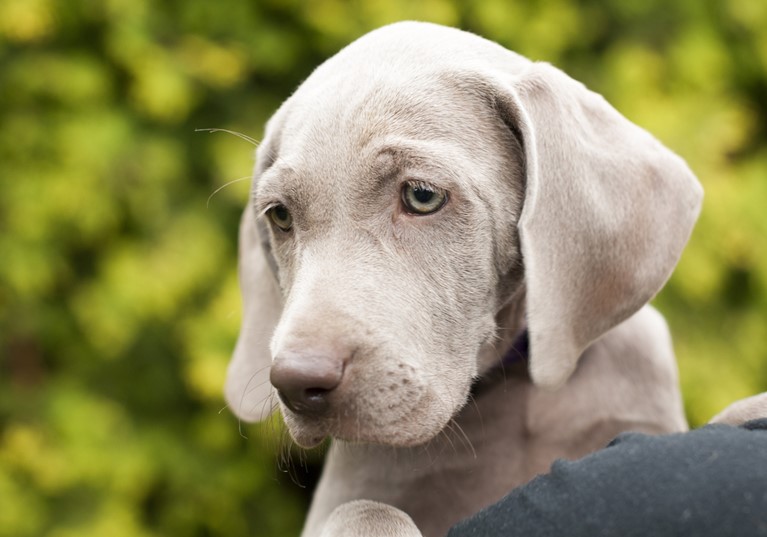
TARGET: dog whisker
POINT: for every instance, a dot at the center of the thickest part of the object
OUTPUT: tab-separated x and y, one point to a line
240	135
466	438
445	433
239	429
283	461
266	402
473	403
256	386
245	390
207	205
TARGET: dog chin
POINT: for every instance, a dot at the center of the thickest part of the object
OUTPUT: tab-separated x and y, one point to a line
309	434
307	439
311	439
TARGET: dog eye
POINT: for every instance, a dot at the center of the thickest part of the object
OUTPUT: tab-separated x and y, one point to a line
281	217
421	198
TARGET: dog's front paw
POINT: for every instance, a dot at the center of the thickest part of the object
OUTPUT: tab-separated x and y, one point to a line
738	413
369	519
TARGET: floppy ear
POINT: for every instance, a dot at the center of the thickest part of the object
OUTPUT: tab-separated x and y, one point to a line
607	212
248	390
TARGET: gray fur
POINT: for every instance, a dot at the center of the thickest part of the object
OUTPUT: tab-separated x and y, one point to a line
563	217
739	412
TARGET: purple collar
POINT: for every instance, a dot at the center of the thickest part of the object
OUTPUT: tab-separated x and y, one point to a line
519	351
517	356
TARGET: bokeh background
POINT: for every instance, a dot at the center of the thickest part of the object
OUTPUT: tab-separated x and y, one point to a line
118	296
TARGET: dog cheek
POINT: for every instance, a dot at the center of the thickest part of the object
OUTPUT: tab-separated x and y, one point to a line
398	407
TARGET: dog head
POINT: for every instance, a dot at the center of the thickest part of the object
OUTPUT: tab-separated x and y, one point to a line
414	186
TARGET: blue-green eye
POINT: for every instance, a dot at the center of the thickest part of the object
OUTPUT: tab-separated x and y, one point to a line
421	198
280	216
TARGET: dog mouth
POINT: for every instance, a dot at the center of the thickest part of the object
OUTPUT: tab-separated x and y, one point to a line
398	417
313	434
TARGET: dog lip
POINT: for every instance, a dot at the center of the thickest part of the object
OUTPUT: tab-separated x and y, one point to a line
367	429
311	434
310	441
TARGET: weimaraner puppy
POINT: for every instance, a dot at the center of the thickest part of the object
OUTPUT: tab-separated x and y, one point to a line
445	266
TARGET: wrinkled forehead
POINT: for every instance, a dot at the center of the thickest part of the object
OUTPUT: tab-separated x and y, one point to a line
413	80
348	136
348	115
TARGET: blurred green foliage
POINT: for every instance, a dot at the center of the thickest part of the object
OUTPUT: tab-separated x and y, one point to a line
118	295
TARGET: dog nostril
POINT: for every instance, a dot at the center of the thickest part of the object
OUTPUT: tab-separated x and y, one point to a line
315	394
311	401
304	383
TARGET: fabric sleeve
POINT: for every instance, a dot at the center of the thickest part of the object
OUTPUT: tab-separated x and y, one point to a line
707	482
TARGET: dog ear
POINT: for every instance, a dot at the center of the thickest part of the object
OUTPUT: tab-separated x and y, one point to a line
607	212
248	390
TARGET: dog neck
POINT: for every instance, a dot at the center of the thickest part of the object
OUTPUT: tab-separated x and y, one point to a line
513	430
513	363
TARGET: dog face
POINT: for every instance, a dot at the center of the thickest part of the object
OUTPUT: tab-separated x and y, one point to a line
414	185
391	214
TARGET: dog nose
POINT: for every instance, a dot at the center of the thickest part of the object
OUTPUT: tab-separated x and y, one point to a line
305	382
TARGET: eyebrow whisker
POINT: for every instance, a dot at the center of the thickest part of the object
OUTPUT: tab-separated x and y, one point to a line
233	133
207	205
